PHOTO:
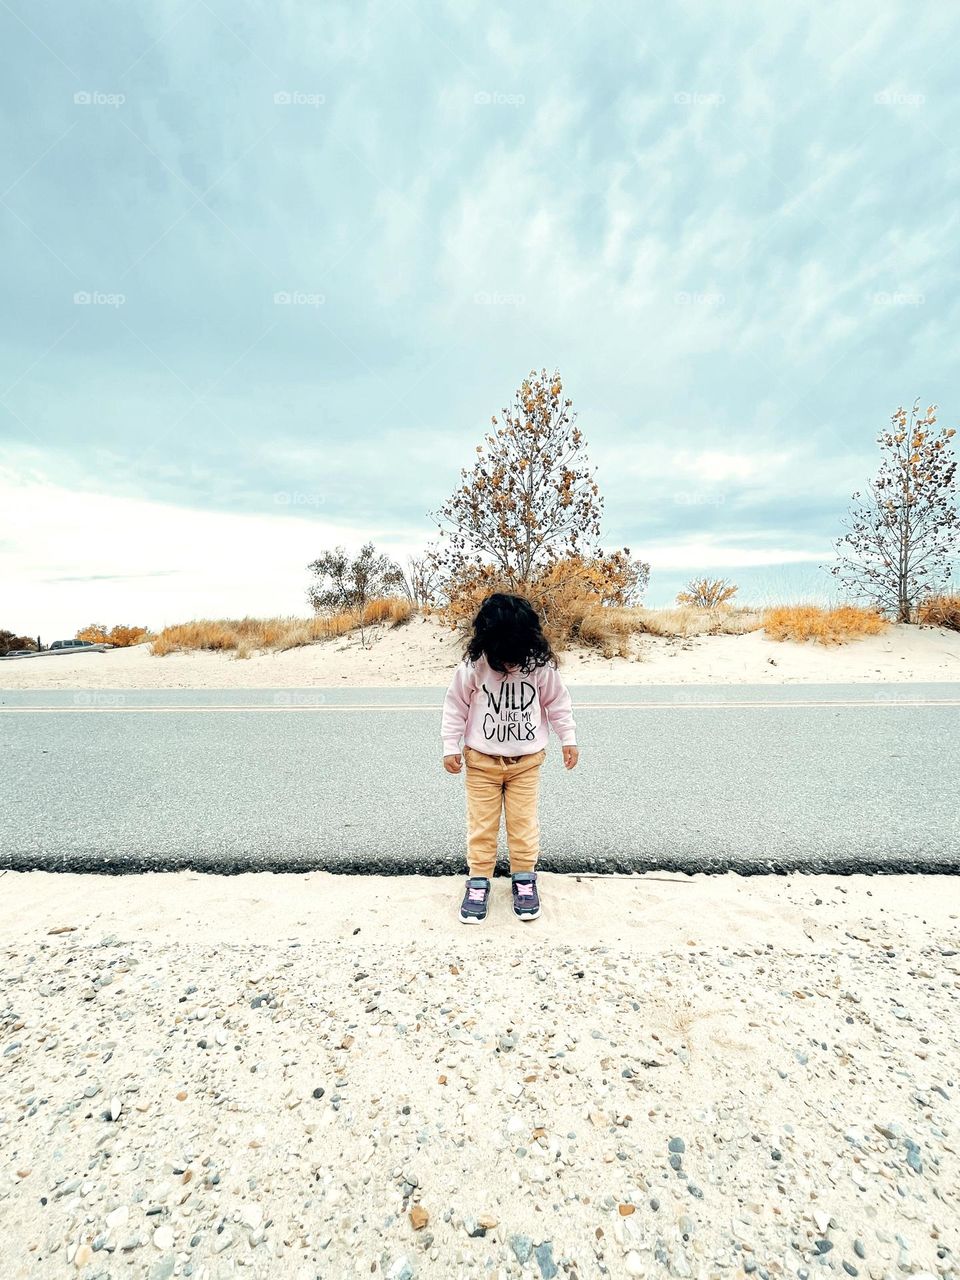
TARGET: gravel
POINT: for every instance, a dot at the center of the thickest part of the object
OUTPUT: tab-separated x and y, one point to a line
413	1111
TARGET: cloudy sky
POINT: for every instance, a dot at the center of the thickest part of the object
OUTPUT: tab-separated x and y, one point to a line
268	271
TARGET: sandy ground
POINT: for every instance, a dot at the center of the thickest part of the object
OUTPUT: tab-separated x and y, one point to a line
424	653
310	1076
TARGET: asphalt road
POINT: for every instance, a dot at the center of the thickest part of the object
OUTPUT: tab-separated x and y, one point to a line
689	778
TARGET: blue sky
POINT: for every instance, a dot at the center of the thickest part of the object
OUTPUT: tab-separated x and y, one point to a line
270	269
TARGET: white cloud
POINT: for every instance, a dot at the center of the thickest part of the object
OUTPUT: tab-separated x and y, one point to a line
705	556
75	556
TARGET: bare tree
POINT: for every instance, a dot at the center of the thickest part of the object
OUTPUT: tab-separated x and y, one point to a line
530	497
902	533
420	581
350	584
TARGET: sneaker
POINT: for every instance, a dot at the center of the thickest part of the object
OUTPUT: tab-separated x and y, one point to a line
526	900
473	909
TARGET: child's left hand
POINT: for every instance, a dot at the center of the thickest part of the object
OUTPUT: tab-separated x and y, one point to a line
570	757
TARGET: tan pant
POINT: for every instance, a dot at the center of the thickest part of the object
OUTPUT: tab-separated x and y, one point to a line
502	783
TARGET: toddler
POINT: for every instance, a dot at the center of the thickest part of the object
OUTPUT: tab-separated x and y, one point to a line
503	698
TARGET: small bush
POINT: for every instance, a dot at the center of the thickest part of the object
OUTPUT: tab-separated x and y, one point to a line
707	593
123	637
564	593
940	611
120	636
802	622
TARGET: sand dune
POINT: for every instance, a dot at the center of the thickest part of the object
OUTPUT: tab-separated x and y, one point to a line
423	653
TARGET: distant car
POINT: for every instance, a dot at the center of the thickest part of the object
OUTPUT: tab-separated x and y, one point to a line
21	653
62	646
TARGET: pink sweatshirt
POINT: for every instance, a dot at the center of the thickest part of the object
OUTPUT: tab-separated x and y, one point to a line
506	715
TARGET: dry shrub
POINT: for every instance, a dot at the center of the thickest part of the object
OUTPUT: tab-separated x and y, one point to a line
123	637
587	602
940	611
564	594
245	636
95	633
802	622
707	593
120	636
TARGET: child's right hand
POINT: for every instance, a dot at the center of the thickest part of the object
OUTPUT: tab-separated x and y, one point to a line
453	764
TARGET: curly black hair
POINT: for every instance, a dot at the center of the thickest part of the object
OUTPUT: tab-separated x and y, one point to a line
507	632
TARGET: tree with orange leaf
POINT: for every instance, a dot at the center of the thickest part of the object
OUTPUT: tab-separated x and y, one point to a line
903	532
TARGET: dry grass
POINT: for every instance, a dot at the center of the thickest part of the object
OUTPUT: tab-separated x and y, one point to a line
610	629
940	611
390	611
564	594
802	622
245	636
690	620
